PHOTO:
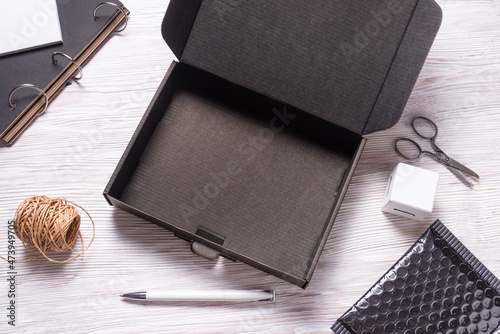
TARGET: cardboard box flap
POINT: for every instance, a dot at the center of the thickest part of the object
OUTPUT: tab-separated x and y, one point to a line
401	77
340	61
178	22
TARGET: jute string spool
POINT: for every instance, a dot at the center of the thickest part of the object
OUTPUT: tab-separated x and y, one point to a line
44	224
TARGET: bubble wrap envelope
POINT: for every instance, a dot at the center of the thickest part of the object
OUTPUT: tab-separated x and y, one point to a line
438	286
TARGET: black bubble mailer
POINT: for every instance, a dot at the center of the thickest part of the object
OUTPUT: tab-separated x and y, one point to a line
437	287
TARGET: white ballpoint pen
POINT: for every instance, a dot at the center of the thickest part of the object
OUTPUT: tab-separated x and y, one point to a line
203	295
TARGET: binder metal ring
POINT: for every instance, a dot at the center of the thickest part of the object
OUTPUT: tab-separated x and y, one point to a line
13	106
114	5
54	61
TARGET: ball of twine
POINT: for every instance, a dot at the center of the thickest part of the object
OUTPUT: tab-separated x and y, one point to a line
44	224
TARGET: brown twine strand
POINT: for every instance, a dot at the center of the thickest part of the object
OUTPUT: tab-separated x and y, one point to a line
44	224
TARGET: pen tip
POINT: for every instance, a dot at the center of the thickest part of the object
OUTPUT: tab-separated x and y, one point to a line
121	295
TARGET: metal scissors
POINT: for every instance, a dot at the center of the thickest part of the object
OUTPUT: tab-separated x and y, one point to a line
427	129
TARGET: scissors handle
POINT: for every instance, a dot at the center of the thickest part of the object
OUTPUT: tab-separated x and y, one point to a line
408	149
425	128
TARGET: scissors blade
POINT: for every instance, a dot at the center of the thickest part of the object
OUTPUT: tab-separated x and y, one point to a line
459	166
460	176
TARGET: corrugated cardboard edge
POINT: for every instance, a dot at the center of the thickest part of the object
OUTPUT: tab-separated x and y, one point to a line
406	66
329	226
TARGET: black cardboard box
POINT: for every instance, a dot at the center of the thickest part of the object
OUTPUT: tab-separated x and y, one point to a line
252	138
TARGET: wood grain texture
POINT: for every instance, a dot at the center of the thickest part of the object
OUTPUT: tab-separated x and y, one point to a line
72	150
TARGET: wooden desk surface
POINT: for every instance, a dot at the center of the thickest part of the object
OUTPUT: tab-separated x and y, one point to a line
72	150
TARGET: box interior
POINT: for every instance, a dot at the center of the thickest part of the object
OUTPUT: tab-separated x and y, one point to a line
214	157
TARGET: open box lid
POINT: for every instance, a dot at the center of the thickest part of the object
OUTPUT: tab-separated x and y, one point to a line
352	63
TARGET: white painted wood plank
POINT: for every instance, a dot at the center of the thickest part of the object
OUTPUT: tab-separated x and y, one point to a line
72	150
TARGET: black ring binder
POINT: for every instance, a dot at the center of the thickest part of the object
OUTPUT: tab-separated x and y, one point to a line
79	48
54	61
13	106
114	5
